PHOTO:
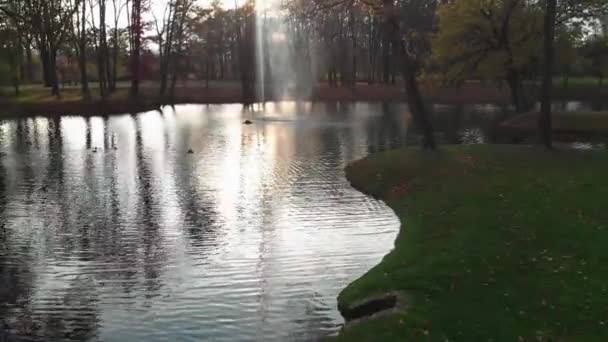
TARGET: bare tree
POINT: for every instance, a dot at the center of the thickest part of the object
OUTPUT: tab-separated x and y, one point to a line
117	10
165	29
50	22
181	13
101	46
79	42
136	37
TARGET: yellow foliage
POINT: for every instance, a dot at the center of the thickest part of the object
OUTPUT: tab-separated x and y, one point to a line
485	38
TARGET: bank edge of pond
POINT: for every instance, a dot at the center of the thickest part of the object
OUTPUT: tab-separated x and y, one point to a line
566	122
76	108
501	242
37	101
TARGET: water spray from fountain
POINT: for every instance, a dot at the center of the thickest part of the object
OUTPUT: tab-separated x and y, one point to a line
260	22
277	69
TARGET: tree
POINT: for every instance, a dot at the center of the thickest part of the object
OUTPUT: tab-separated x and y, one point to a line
136	40
182	33
103	55
17	36
544	124
80	42
172	34
118	6
166	31
595	52
101	47
497	40
10	54
408	73
50	21
568	59
244	27
202	43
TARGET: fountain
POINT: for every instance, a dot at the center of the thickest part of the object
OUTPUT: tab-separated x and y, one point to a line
260	36
277	57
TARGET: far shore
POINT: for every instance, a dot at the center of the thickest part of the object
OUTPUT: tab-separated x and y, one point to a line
37	101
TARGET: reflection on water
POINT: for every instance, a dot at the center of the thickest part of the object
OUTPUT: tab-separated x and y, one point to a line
111	231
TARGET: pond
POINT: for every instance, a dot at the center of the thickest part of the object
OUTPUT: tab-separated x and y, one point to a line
111	230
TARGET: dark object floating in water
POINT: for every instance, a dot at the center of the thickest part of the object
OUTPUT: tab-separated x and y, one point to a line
190	151
248	122
95	150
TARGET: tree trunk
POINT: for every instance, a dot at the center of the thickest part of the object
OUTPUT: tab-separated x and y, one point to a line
16	63
102	47
106	58
353	33
136	50
114	61
29	63
163	74
45	61
22	66
207	74
53	72
166	50
84	78
514	82
544	124
408	73
115	46
108	70
101	75
82	59
386	62
172	89
114	67
371	51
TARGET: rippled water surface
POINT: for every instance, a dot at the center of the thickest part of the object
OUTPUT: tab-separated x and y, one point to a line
110	230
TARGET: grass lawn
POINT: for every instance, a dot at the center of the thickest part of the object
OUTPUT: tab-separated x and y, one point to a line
500	243
577	81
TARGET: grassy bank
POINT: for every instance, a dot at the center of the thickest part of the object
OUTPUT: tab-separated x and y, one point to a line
36	100
500	243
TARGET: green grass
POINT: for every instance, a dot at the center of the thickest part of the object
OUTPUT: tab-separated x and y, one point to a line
500	243
577	81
